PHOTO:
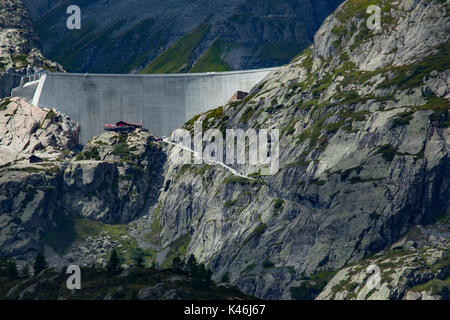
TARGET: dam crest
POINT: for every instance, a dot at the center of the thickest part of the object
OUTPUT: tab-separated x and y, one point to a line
163	102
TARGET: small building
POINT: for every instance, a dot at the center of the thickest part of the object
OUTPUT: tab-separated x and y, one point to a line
122	126
239	95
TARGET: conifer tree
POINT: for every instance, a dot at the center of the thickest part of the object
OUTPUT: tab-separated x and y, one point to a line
113	266
40	263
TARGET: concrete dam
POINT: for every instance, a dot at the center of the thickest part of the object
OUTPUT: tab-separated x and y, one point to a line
162	102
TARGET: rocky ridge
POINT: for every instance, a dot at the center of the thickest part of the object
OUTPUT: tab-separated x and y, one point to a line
27	130
20	48
113	179
364	124
415	268
363	159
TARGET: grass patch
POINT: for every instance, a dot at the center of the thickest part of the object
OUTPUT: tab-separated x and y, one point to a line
402	119
435	287
4	104
411	76
278	204
177	58
20	61
229	203
259	230
177	249
211	60
91	154
241	181
312	286
388	152
281	51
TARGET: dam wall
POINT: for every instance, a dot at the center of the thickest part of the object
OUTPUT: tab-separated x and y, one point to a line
162	102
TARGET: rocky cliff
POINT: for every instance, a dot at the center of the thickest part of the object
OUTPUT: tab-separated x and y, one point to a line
27	130
178	35
20	49
417	267
364	122
364	140
44	187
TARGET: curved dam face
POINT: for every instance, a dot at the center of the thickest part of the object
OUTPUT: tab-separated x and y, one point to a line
162	102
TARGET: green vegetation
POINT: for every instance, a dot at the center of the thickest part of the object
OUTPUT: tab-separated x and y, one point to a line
282	51
4	103
50	115
319	139
177	58
321	85
312	286
248	113
70	50
308	61
213	119
113	266
30	193
435	287
8	268
39	264
20	61
388	152
97	284
90	154
122	150
70	229
230	203
440	108
402	119
268	264
177	249
318	182
259	230
241	181
355	8
411	76
155	231
278	204
211	60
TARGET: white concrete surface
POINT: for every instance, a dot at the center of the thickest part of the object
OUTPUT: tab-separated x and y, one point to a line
162	102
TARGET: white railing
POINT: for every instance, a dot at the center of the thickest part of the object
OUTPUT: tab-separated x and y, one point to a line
32	77
28	77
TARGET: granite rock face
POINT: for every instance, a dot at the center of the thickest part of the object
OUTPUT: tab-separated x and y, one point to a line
46	181
364	146
418	270
364	140
27	130
20	48
115	178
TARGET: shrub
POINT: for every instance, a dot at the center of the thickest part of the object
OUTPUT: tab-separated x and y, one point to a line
268	264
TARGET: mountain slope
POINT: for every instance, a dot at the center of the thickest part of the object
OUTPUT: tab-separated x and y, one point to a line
126	36
364	142
19	46
364	122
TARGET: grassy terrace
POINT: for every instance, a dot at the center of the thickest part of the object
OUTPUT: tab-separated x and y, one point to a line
211	60
177	58
70	230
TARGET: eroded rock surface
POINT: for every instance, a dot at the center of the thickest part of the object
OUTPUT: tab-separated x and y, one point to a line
364	142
